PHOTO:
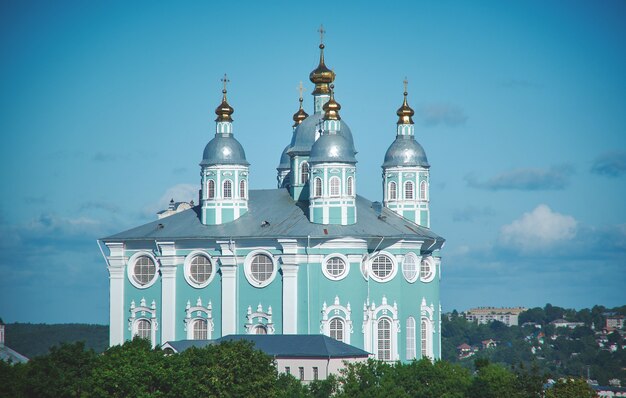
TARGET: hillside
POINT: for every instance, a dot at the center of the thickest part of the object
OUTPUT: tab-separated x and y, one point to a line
36	339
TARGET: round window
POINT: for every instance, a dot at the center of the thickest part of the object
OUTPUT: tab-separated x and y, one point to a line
144	270
335	267
409	267
261	268
382	266
200	269
426	270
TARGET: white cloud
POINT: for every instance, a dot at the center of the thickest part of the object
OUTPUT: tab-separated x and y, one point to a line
539	229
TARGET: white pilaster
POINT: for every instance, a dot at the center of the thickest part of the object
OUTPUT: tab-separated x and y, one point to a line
116	303
168	302
229	295
290	298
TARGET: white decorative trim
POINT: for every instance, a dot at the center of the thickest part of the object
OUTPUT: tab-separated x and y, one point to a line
427	313
331	276
228	269
431	265
248	271
394	266
131	266
199	312
371	315
417	267
188	259
290	295
143	312
259	318
337	311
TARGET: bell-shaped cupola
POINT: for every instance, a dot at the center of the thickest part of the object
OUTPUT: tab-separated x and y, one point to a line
406	171
332	194
224	171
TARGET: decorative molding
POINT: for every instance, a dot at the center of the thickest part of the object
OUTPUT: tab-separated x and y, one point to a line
259	318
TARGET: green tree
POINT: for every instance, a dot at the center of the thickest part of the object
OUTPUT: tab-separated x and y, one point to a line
64	372
572	388
494	381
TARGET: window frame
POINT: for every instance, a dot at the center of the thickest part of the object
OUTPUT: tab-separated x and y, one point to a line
131	269
187	269
304	172
389	347
317	187
334	191
194	326
210	189
230	189
243	192
328	274
393	188
409	193
136	329
423	190
350	186
431	267
341	322
411	347
416	264
392	273
248	268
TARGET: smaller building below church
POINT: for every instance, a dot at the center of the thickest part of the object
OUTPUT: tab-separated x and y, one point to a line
306	357
7	354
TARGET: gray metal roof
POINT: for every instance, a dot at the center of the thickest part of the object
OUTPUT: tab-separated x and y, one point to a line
332	148
284	345
405	151
223	149
282	217
304	136
11	356
285	160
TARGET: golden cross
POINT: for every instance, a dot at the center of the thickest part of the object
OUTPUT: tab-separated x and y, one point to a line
225	81
321	31
406	83
300	89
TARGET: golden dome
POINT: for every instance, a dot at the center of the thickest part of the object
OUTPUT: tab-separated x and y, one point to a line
224	110
405	111
299	116
322	76
332	107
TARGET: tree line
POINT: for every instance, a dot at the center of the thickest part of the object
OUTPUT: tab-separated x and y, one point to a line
236	369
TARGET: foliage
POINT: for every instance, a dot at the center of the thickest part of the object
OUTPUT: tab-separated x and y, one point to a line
571	388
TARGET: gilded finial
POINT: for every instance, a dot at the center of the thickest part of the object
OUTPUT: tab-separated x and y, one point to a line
405	112
224	110
321	75
332	107
299	116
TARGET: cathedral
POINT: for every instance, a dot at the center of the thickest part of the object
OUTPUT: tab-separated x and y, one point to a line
308	257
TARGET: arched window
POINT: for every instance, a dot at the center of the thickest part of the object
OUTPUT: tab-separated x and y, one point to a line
211	189
200	329
349	187
392	195
337	329
408	190
410	338
144	329
424	338
423	190
242	189
317	182
228	189
304	173
384	339
334	186
260	329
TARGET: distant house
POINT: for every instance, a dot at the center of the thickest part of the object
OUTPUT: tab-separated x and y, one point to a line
489	344
562	323
307	357
507	315
465	351
615	322
6	353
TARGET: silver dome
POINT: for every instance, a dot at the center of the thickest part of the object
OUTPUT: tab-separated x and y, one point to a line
304	136
285	160
405	151
332	148
223	149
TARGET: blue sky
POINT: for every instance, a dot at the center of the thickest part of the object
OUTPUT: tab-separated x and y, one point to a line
105	108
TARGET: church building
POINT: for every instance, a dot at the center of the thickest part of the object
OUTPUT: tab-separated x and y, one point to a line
308	257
